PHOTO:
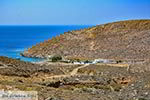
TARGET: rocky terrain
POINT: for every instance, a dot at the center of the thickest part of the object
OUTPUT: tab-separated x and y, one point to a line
65	81
118	40
126	42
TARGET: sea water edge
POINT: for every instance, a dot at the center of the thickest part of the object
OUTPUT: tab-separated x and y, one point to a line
15	39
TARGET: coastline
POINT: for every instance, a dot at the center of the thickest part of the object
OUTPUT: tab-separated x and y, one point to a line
81	78
30	35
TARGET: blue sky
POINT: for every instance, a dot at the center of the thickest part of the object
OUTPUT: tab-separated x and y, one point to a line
71	12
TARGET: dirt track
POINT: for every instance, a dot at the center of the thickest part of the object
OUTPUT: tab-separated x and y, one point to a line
73	73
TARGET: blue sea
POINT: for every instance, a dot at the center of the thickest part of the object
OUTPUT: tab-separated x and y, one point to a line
16	39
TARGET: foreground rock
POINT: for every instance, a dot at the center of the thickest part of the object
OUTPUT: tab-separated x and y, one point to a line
90	82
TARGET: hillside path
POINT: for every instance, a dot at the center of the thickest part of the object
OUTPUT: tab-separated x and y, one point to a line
75	71
72	73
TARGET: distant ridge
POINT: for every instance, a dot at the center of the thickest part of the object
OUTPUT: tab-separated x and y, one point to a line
119	40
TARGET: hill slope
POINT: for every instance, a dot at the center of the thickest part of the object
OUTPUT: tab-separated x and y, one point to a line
119	40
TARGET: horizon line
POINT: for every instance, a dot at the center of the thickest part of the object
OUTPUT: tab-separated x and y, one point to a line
48	25
73	24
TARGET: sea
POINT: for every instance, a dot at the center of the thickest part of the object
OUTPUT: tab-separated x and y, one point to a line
16	39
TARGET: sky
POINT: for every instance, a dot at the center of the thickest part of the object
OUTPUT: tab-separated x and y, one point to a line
71	12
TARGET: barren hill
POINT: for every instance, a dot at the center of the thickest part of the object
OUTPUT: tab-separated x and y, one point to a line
118	40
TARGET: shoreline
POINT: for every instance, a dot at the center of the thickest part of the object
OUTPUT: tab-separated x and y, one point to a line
29	37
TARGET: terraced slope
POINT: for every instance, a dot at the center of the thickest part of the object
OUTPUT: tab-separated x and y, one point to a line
118	40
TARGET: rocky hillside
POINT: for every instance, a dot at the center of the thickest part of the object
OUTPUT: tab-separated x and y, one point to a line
118	40
62	81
